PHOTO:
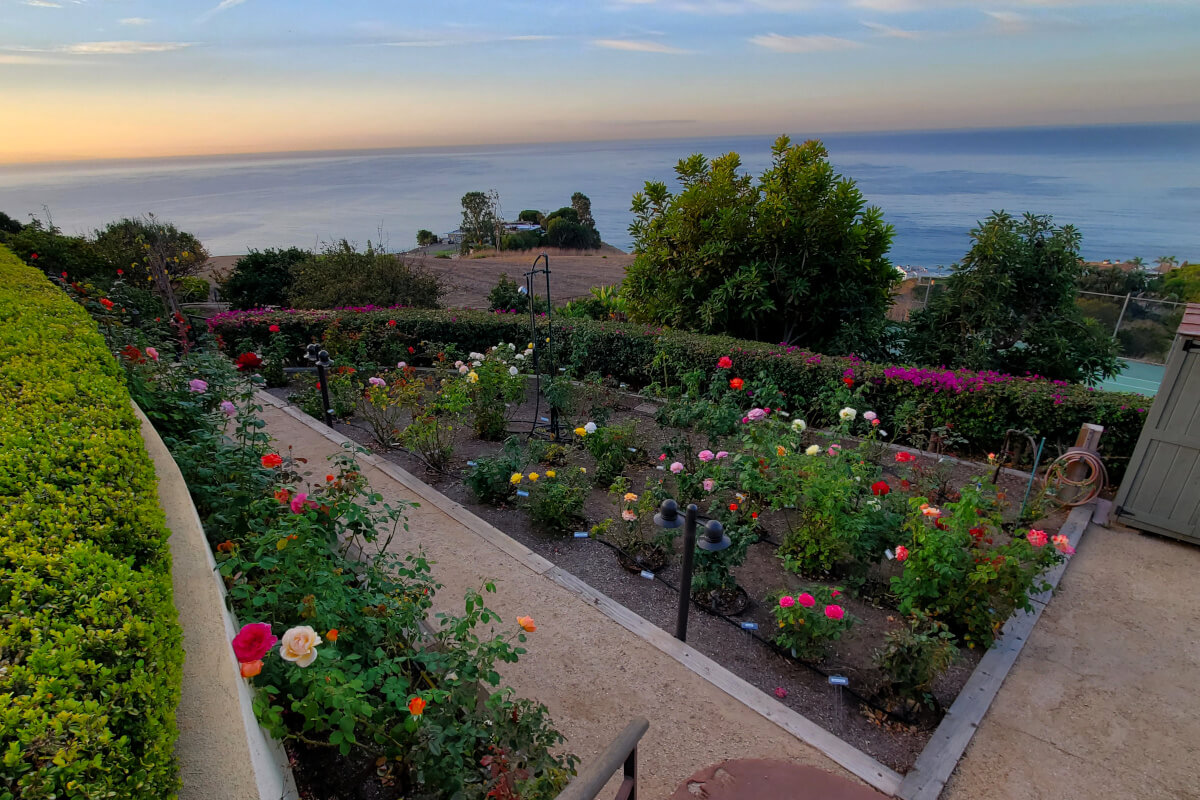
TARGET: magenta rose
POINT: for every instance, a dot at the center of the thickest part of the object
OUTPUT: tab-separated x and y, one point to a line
253	642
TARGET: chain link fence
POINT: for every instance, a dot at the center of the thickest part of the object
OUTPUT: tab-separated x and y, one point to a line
1144	328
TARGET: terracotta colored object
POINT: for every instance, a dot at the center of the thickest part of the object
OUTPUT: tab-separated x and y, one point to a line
763	779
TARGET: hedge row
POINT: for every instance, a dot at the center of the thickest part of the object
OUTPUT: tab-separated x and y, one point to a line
981	407
90	650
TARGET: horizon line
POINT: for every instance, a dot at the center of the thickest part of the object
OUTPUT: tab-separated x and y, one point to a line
518	143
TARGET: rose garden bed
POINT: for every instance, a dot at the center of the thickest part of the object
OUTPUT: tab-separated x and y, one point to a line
836	528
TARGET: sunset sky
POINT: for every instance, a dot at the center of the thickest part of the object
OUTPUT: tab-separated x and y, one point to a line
129	78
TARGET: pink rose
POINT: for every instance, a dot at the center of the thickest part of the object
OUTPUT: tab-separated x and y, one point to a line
869	416
722	454
253	642
780	692
1036	538
676	467
662	456
198	386
786	601
401	365
705	455
299	502
901	553
150	351
377	381
834	612
835	593
1063	544
228	408
755	414
806	600
709	484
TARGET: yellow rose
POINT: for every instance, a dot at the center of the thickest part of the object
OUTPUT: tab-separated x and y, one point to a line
299	645
630	497
551	473
516	478
580	431
533	476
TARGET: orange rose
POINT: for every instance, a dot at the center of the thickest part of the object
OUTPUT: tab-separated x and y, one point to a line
527	623
250	668
416	706
331	634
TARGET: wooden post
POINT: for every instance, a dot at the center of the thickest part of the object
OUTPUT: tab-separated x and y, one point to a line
1088	441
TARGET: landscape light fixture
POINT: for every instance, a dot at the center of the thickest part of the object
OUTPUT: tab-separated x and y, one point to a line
320	357
715	539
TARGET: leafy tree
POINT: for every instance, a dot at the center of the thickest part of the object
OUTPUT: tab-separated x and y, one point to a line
566	212
42	244
1166	263
480	215
1114	280
341	276
1010	306
571	235
796	258
426	238
1183	283
263	278
531	215
583	209
8	225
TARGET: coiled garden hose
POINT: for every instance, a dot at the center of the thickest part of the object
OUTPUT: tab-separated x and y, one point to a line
1090	485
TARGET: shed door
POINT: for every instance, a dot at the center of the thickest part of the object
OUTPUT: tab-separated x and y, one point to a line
1161	491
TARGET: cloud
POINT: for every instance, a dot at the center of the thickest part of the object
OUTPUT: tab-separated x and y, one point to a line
135	21
892	33
13	58
224	5
454	41
121	48
1009	21
816	43
42	4
638	46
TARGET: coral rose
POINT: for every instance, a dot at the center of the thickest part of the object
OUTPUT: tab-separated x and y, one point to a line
299	645
250	668
736	384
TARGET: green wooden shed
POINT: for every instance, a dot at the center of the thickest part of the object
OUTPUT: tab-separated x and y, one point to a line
1161	490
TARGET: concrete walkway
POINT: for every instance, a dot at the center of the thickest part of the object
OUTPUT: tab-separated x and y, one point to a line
1104	701
593	673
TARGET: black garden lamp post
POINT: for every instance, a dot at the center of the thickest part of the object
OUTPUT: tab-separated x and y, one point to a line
528	291
321	359
714	539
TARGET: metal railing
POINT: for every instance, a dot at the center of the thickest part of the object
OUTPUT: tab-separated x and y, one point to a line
621	754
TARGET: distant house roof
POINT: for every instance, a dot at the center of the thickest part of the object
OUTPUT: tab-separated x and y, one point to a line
1190	326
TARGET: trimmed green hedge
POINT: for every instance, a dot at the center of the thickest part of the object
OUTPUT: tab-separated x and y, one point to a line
981	407
90	649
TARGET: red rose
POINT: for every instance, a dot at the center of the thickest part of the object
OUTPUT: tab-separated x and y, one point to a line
274	329
104	301
880	488
733	506
901	553
248	362
905	458
120	272
736	384
725	362
33	256
411	351
272	460
848	381
253	642
392	324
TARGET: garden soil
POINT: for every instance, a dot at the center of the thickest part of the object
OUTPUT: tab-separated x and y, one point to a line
593	674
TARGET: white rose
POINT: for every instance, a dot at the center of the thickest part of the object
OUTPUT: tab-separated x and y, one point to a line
462	368
590	428
519	357
798	425
299	644
513	371
813	450
848	413
476	363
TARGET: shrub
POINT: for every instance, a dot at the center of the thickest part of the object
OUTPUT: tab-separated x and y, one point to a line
426	238
613	446
570	235
42	245
809	621
505	296
556	498
131	244
914	656
525	240
494	383
383	405
980	405
263	277
193	290
90	642
341	276
490	480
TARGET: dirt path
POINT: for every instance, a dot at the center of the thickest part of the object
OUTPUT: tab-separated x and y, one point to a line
1103	701
593	674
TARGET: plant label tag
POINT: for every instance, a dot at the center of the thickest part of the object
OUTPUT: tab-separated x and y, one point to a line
838	680
562	369
522	493
647	574
632	449
661	468
470	463
544	419
890	555
581	534
749	626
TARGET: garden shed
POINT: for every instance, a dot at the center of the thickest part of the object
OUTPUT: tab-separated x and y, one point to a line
1161	491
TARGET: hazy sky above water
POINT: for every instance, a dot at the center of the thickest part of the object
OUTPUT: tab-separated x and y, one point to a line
132	78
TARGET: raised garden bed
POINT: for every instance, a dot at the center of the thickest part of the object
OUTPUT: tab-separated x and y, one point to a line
865	714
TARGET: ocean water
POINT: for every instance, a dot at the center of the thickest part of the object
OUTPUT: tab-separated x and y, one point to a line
1131	190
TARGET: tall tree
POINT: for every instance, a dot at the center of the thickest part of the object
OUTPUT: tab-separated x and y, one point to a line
480	217
583	207
799	257
1010	306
